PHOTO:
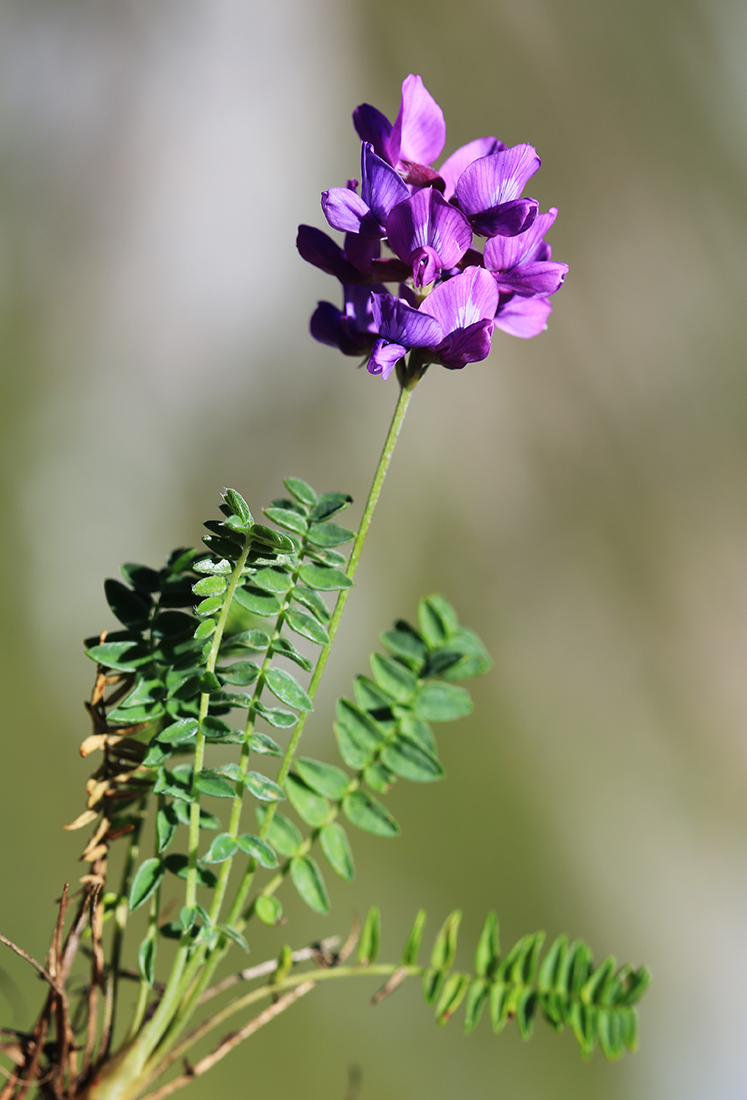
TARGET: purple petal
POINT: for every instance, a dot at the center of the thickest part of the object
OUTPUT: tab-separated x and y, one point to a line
501	177
398	321
503	253
463	300
320	250
361	251
426	220
382	187
330	326
425	265
374	127
346	211
384	358
453	166
468	346
507	219
535	279
419	132
524	317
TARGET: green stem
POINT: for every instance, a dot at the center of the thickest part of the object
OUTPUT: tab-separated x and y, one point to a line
271	989
395	427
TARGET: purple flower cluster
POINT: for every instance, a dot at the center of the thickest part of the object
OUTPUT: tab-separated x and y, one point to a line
451	297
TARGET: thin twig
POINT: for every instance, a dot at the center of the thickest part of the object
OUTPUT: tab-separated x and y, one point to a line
231	1041
396	979
25	955
268	967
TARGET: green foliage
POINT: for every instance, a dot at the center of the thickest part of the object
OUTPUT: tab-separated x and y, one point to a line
597	1003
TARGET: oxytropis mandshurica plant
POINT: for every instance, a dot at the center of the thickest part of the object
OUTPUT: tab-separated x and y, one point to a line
225	647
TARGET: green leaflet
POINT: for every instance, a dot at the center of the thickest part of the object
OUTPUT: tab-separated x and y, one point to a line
283	835
287	689
300	490
308	881
268	908
370	938
327	535
336	847
258	602
210	782
146	960
324	578
311	807
146	880
258	849
408	760
367	814
323	778
307	627
222	848
440	702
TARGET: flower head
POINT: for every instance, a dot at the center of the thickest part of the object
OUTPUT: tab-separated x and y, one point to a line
451	297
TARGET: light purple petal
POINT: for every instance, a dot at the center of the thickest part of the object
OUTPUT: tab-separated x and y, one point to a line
470	345
524	317
536	279
344	210
426	220
372	126
463	300
399	322
382	187
453	166
492	180
419	132
504	253
384	358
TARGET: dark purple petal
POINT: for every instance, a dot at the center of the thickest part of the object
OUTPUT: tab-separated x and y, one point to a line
504	253
507	219
493	180
374	127
534	279
348	212
321	251
384	358
419	131
524	317
463	300
389	271
453	166
398	321
470	345
420	175
382	187
330	326
361	251
426	220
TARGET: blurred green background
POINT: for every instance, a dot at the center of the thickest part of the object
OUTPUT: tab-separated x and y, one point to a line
579	497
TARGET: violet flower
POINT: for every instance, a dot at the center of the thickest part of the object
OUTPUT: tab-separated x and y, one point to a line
523	264
488	192
428	233
416	138
452	326
453	166
365	214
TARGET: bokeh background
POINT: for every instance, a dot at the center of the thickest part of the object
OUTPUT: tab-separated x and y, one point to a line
578	497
